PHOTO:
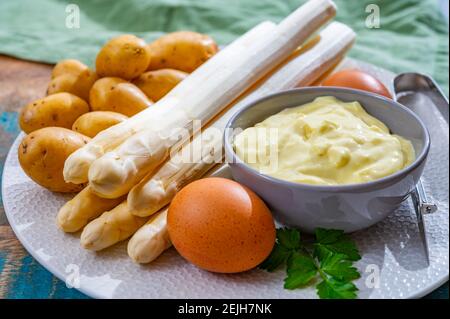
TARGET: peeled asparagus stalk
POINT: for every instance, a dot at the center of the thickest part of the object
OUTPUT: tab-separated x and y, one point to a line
157	190
110	228
77	165
115	173
151	240
81	209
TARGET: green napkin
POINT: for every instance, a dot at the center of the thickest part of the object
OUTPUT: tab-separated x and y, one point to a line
413	35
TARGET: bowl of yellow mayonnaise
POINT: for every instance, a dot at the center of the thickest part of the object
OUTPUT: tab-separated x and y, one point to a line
327	157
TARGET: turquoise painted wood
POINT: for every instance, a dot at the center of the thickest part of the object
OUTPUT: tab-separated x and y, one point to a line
33	281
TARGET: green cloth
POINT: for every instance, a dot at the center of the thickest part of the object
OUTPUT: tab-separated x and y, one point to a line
413	34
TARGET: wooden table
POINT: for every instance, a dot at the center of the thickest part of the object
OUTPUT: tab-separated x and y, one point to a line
20	275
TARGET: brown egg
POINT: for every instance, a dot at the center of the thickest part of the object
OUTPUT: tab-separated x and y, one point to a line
221	226
359	80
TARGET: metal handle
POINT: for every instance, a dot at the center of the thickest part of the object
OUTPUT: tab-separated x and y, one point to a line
422	208
423	205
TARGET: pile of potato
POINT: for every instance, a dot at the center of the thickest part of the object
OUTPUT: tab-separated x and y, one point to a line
130	76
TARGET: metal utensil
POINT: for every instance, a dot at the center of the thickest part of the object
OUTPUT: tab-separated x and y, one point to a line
412	90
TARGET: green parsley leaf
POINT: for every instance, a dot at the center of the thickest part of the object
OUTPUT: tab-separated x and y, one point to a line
328	236
336	242
288	241
300	271
277	257
330	258
340	269
334	289
289	238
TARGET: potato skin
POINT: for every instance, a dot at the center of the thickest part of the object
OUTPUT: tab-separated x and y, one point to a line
69	66
60	109
78	84
184	51
125	56
117	95
156	84
42	154
92	123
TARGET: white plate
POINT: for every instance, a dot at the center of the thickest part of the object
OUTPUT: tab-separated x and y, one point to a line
392	248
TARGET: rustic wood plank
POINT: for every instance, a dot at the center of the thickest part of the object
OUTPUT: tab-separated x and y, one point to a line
21	82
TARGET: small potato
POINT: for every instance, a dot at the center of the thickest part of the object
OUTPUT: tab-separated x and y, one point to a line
125	56
156	84
184	51
117	95
78	84
60	109
42	155
69	66
92	123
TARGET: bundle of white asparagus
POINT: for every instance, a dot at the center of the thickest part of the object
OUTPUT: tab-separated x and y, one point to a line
130	156
116	172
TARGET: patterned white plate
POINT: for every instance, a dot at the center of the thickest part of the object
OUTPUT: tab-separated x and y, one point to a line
393	263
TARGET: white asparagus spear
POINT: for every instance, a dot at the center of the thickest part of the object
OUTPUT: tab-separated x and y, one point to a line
115	173
151	240
157	190
110	228
85	206
77	165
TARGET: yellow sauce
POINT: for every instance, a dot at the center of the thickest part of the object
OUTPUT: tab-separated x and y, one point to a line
325	142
